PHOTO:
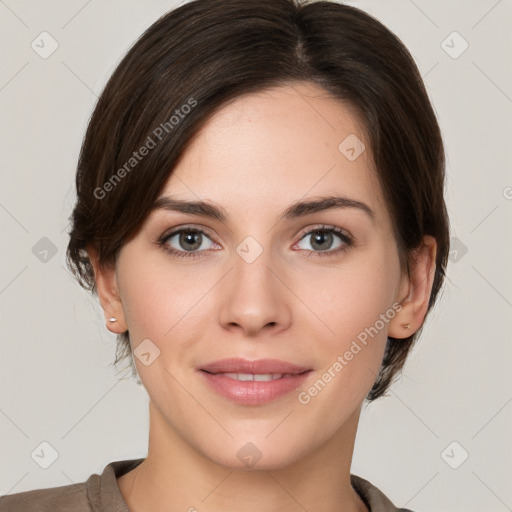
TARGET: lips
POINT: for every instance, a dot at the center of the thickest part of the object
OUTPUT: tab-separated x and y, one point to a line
263	377
259	367
253	382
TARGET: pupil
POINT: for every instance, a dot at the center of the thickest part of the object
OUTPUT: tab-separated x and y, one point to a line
191	239
320	237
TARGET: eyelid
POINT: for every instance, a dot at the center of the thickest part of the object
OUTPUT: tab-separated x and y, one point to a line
187	227
300	235
326	227
340	232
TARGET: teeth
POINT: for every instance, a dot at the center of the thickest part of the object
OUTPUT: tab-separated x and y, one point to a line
263	377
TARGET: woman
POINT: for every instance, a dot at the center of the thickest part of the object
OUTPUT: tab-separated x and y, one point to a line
260	210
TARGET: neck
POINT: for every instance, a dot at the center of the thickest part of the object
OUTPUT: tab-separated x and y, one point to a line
174	476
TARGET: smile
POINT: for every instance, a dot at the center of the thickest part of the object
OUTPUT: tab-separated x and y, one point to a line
260	377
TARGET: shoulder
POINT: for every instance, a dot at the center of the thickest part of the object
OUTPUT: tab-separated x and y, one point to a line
374	498
64	498
98	493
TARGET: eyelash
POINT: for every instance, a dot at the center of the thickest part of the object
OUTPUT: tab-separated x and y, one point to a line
346	239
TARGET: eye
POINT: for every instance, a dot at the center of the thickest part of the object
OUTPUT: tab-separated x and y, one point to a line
185	242
322	239
189	242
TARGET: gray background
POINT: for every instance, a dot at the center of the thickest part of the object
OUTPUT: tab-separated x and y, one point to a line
57	383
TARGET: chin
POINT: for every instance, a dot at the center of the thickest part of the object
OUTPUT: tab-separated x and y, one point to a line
255	455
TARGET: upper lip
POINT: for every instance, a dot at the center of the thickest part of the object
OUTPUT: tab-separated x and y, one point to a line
260	366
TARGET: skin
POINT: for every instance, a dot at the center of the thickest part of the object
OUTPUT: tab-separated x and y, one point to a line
255	157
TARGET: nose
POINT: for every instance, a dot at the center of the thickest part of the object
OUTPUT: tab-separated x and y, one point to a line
254	297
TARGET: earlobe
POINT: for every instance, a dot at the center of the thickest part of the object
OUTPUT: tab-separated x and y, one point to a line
108	293
422	267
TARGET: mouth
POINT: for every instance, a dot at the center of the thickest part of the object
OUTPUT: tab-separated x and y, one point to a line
253	382
258	377
258	367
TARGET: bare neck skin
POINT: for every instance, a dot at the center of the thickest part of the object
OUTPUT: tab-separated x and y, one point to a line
175	477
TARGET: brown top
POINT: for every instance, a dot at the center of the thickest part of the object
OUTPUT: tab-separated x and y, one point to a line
100	493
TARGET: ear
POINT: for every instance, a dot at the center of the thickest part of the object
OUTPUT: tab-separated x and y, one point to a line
108	293
415	289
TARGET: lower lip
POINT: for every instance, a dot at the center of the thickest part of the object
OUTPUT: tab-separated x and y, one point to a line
254	392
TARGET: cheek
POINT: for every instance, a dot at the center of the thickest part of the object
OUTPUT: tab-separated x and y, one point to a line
353	305
163	303
351	297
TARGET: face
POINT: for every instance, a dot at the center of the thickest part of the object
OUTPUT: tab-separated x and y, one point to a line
314	289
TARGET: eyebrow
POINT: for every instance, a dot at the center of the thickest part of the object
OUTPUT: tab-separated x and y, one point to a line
296	210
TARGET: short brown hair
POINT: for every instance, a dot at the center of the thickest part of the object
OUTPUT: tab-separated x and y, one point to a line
208	52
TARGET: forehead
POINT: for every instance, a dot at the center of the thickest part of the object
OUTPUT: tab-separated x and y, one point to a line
267	149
